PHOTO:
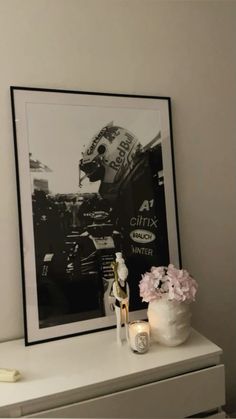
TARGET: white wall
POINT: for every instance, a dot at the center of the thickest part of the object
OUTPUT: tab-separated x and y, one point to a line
182	49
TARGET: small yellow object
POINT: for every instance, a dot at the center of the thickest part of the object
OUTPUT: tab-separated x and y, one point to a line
9	375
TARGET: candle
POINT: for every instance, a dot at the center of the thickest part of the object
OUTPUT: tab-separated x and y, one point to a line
139	336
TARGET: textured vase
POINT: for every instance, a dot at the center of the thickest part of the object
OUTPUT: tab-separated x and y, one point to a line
170	321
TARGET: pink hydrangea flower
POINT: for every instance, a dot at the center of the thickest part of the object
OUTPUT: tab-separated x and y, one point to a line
182	287
147	287
176	283
158	272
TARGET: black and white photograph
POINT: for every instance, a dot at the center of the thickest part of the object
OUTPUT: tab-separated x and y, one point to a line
95	177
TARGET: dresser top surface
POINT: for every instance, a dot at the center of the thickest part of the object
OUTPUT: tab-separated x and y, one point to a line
93	360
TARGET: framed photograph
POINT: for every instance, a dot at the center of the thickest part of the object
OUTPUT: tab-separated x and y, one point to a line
95	176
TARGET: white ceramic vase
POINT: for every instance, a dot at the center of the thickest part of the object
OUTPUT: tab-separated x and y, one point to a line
170	321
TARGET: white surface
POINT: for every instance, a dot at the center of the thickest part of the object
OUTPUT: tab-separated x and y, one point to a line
92	365
192	393
181	49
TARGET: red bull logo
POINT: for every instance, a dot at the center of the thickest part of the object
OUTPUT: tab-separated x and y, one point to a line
123	150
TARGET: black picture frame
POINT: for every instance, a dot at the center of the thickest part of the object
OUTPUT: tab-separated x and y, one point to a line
95	175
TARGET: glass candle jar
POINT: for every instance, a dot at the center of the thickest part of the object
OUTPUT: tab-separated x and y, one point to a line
139	336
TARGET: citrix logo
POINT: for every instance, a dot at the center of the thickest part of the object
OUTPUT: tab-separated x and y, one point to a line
144	222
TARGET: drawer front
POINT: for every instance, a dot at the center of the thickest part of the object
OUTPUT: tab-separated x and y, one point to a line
181	396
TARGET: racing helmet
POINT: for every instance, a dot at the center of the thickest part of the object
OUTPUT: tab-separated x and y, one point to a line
109	154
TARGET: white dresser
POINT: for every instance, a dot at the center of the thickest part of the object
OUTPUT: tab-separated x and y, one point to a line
90	376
